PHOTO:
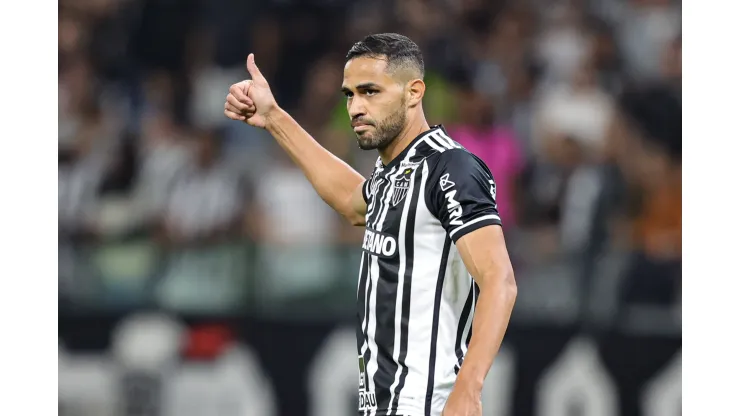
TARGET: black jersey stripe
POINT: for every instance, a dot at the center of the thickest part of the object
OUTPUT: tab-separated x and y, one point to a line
362	303
435	325
467	308
476	293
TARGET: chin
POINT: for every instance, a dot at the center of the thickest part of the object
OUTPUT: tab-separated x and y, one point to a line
366	145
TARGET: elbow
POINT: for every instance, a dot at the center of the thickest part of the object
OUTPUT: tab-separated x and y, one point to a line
355	220
509	287
503	284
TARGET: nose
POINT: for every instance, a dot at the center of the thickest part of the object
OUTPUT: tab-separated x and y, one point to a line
356	108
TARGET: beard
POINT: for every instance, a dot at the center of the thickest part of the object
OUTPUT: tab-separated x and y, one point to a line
384	132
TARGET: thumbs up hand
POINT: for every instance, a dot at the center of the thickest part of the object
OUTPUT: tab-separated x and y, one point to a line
250	101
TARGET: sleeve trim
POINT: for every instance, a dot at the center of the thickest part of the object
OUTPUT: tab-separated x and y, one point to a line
492	217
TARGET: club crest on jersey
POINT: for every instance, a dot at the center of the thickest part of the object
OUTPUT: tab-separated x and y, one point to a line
401	187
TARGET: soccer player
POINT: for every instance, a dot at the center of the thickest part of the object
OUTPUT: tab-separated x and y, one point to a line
433	254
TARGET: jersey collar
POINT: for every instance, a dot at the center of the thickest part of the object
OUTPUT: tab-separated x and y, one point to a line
405	151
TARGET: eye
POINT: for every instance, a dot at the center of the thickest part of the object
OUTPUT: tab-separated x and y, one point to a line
348	94
370	93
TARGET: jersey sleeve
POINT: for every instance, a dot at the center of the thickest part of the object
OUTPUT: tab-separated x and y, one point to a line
461	193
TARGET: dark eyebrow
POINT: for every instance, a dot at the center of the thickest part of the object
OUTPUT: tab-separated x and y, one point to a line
368	86
363	86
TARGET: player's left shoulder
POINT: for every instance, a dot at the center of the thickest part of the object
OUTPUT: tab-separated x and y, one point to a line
458	161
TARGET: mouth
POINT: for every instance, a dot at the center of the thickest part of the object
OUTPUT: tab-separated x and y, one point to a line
360	127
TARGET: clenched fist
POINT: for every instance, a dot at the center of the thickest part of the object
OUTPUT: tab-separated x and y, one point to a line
250	101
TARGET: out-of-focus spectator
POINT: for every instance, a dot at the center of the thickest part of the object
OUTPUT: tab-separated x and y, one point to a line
672	68
572	138
654	274
577	115
207	199
73	36
207	80
645	28
604	55
83	163
521	108
76	90
657	227
279	190
500	53
563	44
653	115
481	133
297	248
164	154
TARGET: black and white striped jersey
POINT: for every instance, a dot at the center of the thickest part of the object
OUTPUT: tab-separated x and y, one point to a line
415	298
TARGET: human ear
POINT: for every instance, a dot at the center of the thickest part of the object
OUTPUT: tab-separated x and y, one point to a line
415	92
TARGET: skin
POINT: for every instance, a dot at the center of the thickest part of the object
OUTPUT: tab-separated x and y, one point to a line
385	107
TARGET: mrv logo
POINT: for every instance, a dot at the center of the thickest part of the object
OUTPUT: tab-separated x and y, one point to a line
454	208
382	245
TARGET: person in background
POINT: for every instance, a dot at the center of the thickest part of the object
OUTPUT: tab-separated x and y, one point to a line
654	273
496	144
207	200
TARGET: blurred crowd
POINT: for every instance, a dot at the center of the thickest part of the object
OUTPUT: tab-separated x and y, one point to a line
575	105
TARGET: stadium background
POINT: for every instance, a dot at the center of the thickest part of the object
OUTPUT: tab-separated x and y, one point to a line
200	275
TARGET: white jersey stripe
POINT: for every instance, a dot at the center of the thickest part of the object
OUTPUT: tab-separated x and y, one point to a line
469	323
443	137
449	312
433	144
442	141
359	277
477	220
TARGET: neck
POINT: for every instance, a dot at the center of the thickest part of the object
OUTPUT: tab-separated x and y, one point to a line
417	126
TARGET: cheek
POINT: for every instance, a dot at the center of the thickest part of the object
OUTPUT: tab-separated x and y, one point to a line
389	106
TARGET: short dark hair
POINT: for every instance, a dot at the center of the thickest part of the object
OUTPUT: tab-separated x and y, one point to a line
398	50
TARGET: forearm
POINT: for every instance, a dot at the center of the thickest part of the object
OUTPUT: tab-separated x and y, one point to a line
491	319
332	178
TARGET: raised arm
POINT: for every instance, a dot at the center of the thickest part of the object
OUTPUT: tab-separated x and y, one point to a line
335	181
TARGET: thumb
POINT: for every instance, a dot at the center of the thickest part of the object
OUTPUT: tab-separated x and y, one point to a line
254	71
